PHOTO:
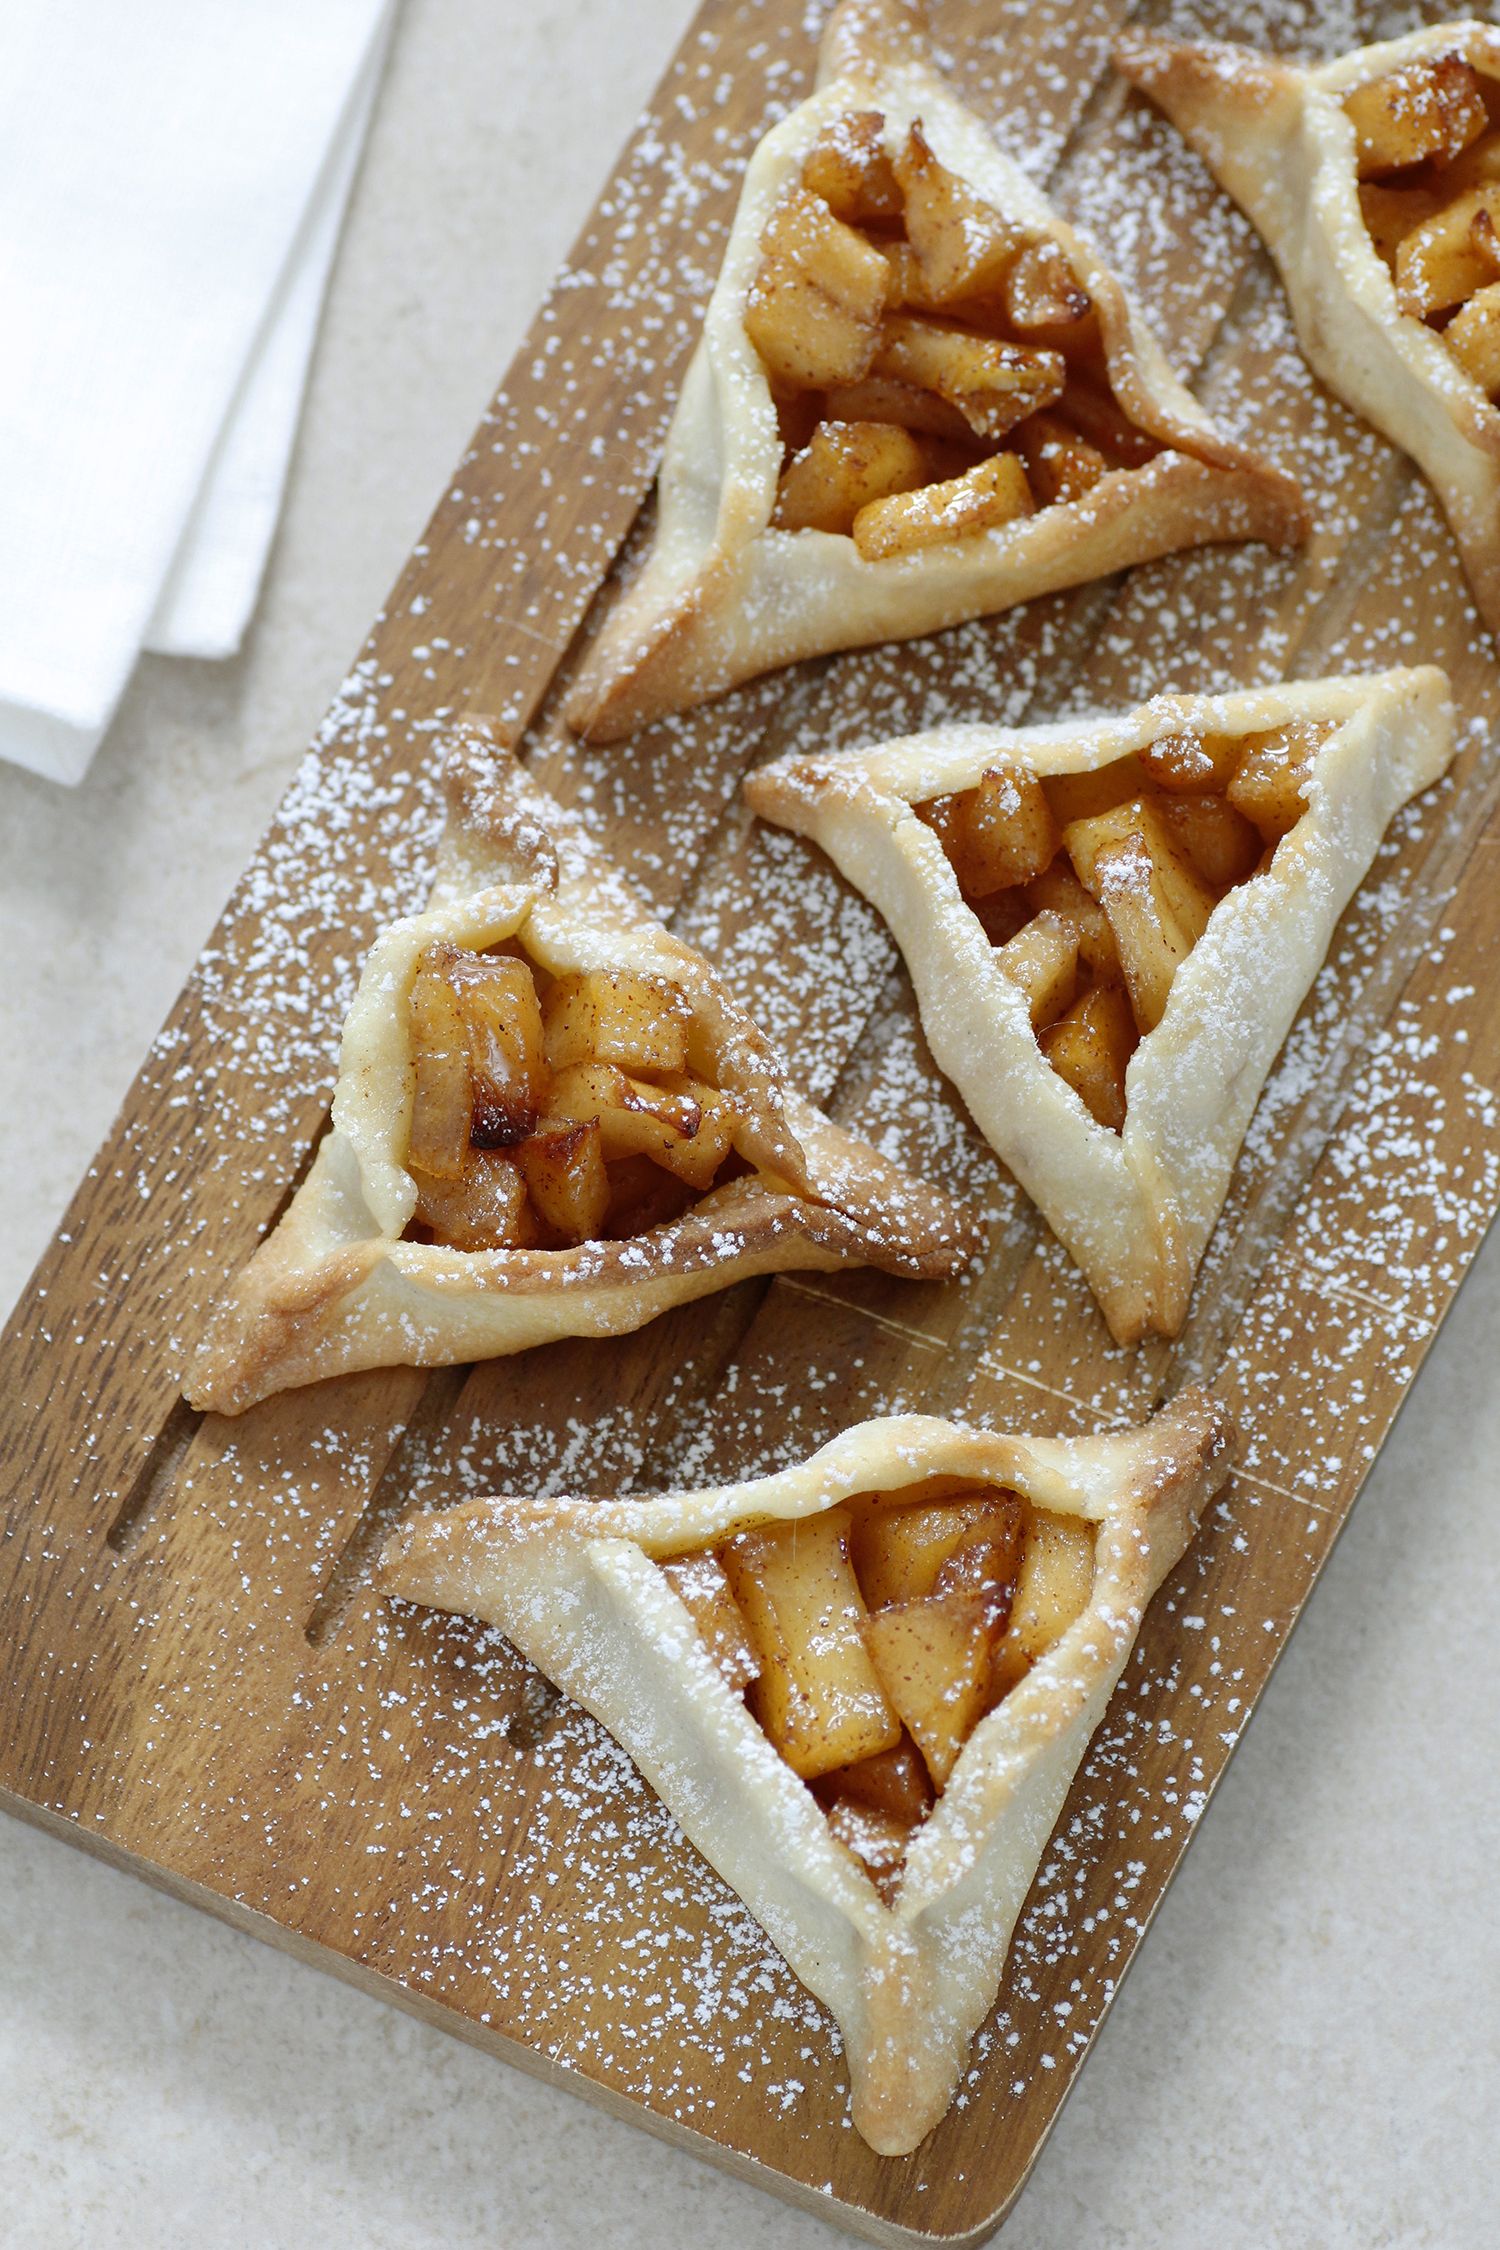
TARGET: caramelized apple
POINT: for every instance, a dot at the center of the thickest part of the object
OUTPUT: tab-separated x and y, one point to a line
507	1067
893	1782
933	1660
991	494
814	310
1042	958
485	1208
1157	903
848	167
962	243
563	1167
614	1016
877	1842
700	1585
1269	786
1091	1047
843	467
901	1550
817	1696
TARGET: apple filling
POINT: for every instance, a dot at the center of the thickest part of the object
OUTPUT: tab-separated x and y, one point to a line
870	1640
938	370
1093	888
553	1110
1427	153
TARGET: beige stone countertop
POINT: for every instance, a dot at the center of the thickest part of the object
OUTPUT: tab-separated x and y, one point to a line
1306	2051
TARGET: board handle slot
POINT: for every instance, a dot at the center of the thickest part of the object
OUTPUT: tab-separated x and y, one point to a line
156	1476
395	1497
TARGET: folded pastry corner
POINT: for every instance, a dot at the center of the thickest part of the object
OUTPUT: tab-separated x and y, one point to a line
920	397
551	1119
863	1686
1111	923
1375	181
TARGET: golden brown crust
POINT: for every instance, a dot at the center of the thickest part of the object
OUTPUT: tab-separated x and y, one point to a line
571	1583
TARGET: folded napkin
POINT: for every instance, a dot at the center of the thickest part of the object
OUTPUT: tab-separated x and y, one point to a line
173	174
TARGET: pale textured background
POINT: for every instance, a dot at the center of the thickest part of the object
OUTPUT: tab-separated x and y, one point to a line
1306	2051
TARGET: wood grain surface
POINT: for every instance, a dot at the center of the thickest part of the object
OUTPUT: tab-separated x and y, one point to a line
197	1679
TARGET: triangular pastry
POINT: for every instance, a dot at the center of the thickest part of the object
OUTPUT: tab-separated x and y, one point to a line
919	397
1111	923
1375	180
863	1686
551	1119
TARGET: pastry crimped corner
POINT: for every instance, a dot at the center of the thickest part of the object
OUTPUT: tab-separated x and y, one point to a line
920	397
862	1685
1111	923
552	1118
1375	182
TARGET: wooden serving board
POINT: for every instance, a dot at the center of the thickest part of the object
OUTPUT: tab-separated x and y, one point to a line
197	1680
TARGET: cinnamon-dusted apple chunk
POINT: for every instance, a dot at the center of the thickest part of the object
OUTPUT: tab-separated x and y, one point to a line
927	1623
1111	923
1375	180
551	1119
920	397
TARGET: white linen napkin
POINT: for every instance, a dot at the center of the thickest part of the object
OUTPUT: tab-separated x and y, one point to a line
173	174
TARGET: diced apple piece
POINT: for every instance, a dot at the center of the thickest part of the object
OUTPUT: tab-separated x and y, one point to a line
1449	256
1057	890
614	1016
1043	292
1219	841
933	1660
1391	213
1476	166
843	467
963	244
1473	337
993	384
893	1782
507	1064
1191	765
642	1196
1042	959
1060	465
848	167
1076	796
1002	915
1000	832
984	498
1428	108
484	1209
700	1585
877	1841
563	1167
900	1550
817	1697
1273	773
879	399
696	1157
1091	1047
1056	1580
442	1089
814	309
1094	411
1157	903
986	1561
635	1119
